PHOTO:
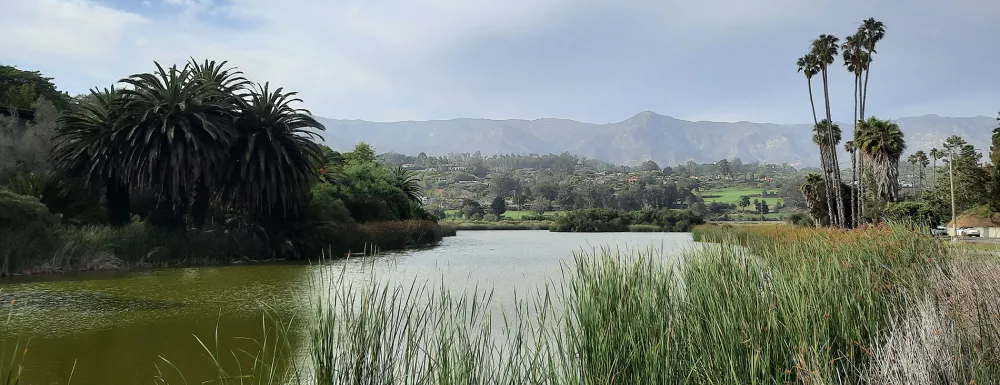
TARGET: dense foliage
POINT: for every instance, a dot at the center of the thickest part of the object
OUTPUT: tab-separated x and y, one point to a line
604	220
184	152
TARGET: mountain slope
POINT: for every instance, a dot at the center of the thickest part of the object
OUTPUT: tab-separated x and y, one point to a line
645	136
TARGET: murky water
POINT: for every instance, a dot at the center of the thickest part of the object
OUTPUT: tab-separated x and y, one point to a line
115	327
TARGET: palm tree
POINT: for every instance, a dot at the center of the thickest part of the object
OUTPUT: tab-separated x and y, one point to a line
935	155
814	195
825	49
229	85
913	160
174	132
881	143
272	160
855	59
408	182
83	149
871	32
824	134
809	66
851	148
923	161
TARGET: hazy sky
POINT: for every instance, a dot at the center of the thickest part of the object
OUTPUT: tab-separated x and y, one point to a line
596	61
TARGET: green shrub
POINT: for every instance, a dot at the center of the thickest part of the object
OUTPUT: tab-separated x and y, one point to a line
17	211
605	220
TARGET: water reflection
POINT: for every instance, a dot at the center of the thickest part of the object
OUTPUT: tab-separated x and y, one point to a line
117	325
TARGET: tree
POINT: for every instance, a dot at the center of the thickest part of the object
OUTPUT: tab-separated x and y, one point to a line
540	205
870	32
649	165
826	136
814	191
922	161
809	66
83	150
407	181
935	156
273	158
852	149
756	205
470	209
724	168
498	206
744	201
763	207
174	132
825	49
881	144
362	153
20	89
995	159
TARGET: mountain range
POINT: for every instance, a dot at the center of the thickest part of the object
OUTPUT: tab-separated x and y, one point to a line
645	136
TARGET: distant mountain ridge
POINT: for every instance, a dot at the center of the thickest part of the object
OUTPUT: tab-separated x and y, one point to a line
644	136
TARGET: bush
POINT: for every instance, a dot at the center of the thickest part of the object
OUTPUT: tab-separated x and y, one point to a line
604	220
643	229
18	211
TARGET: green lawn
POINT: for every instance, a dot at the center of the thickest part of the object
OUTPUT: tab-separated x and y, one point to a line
733	194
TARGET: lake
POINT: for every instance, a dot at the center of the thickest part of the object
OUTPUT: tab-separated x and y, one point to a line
114	326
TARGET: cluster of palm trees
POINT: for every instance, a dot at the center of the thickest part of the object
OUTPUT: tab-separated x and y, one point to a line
877	144
920	159
193	137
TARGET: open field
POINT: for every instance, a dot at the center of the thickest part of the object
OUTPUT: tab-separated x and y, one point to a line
732	195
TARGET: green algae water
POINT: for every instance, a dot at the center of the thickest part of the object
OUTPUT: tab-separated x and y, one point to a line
112	328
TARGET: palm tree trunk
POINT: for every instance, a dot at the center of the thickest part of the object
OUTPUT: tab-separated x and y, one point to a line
855	218
811	102
117	201
837	191
199	208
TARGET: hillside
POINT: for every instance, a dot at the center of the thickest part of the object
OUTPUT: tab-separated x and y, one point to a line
645	136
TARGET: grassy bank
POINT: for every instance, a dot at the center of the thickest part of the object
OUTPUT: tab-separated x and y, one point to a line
61	248
758	305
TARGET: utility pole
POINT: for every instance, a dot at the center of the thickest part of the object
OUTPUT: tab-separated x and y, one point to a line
951	174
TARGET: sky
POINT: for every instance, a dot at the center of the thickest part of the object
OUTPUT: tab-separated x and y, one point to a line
592	61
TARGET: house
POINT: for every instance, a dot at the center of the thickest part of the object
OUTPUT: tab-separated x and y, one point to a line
988	227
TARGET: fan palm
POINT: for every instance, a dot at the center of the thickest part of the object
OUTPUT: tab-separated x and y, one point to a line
922	161
935	155
83	149
825	49
881	144
871	32
230	85
272	162
855	59
809	66
826	136
408	182
852	149
174	132
814	192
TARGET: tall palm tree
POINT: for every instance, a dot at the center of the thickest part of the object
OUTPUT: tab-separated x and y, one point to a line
174	132
809	66
852	149
230	85
83	149
881	142
824	134
913	160
935	155
825	49
272	161
923	161
871	32
855	59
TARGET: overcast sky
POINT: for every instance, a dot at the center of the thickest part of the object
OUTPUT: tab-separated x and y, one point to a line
595	61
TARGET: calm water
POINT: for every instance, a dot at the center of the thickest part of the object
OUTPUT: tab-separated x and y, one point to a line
114	326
